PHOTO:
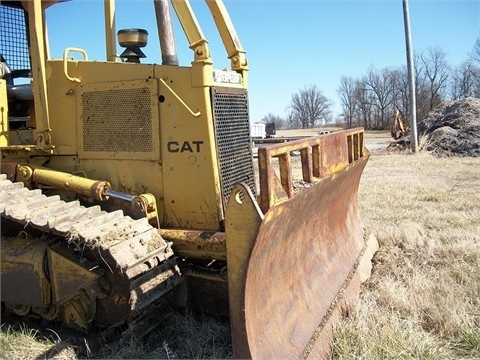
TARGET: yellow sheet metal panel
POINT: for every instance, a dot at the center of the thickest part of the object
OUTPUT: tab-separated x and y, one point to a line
63	107
181	161
243	220
64	111
3	113
190	169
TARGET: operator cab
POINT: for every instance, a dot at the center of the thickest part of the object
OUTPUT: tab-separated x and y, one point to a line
19	94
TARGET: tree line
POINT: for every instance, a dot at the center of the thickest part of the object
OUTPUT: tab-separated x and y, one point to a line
371	100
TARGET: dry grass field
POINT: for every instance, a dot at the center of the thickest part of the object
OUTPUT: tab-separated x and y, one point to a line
421	302
423	298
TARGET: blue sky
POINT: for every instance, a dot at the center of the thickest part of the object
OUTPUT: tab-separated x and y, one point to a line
290	44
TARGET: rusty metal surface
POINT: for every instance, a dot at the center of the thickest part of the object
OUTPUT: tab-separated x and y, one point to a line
304	252
307	248
321	156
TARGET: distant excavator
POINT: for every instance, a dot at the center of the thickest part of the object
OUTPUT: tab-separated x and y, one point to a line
400	126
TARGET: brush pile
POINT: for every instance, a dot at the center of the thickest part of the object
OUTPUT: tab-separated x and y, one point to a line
452	129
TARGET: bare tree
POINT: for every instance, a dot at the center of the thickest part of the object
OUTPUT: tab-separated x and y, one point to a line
435	71
401	90
465	81
382	87
310	107
475	54
349	100
277	120
371	100
422	92
365	104
291	121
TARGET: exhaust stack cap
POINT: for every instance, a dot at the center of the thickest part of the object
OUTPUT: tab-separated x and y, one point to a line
132	40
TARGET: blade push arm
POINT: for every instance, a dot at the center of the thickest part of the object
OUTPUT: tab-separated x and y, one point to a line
224	25
228	34
192	30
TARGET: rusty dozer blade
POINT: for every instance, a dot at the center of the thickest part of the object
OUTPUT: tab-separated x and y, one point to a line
301	257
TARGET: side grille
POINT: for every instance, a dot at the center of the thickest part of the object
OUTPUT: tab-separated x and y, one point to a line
232	126
119	120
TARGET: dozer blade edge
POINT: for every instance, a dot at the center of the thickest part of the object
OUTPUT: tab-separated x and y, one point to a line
308	257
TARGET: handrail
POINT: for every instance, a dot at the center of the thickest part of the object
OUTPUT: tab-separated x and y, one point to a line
65	62
196	114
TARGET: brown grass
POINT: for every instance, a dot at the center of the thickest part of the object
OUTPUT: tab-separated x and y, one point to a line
24	343
423	298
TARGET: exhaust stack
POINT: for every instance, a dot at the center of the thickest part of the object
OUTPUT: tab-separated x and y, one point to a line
165	33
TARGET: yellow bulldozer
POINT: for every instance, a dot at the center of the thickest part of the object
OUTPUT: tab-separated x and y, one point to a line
129	187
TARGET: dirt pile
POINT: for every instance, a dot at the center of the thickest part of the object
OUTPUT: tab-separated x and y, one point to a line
452	129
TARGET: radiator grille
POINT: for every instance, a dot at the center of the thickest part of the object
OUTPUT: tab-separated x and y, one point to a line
230	110
118	120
